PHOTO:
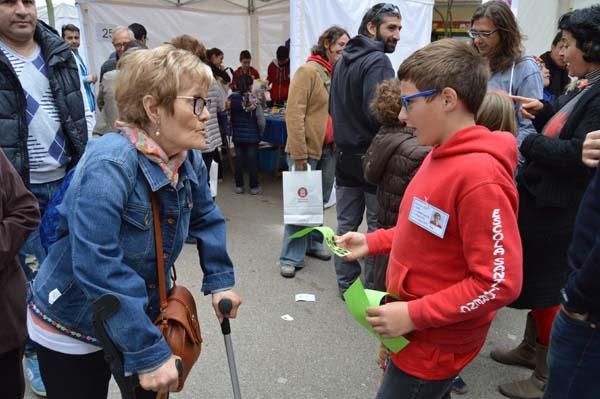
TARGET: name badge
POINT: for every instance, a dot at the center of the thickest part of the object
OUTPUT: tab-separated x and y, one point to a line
428	217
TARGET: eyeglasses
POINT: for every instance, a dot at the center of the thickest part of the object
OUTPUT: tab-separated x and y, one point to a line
484	35
199	103
407	99
119	45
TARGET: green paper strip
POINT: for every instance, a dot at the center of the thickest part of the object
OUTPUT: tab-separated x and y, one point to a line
328	236
358	299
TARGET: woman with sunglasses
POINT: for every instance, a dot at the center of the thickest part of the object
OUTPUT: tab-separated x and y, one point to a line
496	36
106	241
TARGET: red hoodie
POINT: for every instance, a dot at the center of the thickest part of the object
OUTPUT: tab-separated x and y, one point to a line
455	284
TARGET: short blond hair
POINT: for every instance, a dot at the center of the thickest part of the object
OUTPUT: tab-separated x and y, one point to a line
497	112
159	72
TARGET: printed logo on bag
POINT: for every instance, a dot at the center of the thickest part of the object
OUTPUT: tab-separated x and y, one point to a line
302	192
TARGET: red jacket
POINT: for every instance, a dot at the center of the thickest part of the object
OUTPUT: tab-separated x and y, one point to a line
279	77
238	72
455	285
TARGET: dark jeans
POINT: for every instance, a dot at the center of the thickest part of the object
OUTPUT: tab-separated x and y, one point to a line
32	254
11	374
573	359
77	376
246	159
399	385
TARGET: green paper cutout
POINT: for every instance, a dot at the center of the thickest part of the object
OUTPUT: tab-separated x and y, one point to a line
358	299
328	237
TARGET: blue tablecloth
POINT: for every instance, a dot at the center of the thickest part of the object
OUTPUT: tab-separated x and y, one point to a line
275	129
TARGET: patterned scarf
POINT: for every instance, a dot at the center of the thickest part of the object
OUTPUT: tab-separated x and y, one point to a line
144	144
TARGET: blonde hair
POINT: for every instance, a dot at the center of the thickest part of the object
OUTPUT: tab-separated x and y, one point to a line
159	72
497	112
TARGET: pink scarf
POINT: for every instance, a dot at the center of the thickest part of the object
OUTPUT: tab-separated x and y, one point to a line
144	144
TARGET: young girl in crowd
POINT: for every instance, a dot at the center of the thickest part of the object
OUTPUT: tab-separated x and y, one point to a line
392	160
497	112
248	123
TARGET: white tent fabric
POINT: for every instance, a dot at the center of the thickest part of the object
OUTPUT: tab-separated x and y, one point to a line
227	24
309	18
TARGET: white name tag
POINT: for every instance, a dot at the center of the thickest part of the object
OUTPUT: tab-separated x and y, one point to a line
428	217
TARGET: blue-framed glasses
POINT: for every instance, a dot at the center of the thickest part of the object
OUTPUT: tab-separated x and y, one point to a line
407	99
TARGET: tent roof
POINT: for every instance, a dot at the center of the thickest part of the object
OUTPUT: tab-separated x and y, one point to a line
205	6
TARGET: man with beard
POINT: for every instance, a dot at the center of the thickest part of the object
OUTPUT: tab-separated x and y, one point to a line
363	65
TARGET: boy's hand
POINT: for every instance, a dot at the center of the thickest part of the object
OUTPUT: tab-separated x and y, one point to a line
390	320
529	106
355	243
591	149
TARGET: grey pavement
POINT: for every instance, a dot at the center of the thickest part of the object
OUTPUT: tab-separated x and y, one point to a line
323	352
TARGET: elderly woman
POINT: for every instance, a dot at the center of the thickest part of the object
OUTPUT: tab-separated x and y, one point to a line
551	185
107	244
310	137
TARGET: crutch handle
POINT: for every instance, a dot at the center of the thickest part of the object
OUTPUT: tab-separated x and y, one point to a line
225	306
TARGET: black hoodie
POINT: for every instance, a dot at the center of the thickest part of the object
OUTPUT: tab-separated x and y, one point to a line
364	64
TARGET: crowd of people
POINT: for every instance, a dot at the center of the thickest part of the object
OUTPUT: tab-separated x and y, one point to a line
474	163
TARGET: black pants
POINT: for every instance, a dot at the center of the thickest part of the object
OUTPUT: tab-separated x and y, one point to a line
77	376
11	374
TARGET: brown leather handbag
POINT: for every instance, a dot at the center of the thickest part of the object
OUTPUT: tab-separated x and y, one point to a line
178	319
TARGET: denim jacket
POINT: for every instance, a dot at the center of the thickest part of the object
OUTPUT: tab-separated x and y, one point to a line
106	245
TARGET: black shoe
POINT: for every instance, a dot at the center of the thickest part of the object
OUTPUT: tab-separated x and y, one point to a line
190	240
459	385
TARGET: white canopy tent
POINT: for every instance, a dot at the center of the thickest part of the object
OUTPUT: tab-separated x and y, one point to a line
234	25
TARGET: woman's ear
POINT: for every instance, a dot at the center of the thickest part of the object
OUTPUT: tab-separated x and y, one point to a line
151	108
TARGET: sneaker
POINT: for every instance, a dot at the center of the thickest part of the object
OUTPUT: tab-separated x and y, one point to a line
321	254
459	385
256	190
287	271
190	240
239	190
32	372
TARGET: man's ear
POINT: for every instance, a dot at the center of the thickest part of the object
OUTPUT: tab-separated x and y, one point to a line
449	98
372	29
151	108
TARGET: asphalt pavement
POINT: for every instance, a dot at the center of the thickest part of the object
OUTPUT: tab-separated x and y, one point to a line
322	353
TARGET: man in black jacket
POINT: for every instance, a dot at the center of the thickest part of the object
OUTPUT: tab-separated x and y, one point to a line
42	119
364	64
574	354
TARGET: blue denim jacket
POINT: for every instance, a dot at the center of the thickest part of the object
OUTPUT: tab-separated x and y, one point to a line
106	245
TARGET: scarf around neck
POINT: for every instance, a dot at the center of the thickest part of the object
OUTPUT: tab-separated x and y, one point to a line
321	61
145	145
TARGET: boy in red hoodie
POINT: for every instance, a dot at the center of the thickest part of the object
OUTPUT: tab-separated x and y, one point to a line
451	276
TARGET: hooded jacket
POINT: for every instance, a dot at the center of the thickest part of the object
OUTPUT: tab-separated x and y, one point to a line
63	75
455	284
355	77
279	76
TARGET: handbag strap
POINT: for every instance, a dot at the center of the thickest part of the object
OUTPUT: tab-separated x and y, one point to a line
160	261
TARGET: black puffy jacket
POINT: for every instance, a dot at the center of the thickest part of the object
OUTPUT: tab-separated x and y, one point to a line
63	75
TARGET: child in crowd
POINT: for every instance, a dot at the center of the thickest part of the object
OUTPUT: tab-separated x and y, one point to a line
248	124
497	112
391	161
450	278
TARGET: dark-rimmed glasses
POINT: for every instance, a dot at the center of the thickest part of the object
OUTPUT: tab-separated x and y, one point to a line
483	34
198	103
407	99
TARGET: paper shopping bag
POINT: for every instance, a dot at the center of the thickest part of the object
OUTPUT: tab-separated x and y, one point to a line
302	197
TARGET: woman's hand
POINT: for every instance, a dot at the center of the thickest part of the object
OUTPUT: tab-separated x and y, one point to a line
355	243
529	106
236	301
390	320
163	379
300	164
591	149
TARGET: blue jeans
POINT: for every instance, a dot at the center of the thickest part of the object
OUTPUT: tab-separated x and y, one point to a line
327	167
246	158
32	254
350	206
293	251
573	359
399	385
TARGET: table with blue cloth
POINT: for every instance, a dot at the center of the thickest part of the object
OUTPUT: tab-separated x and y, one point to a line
276	135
